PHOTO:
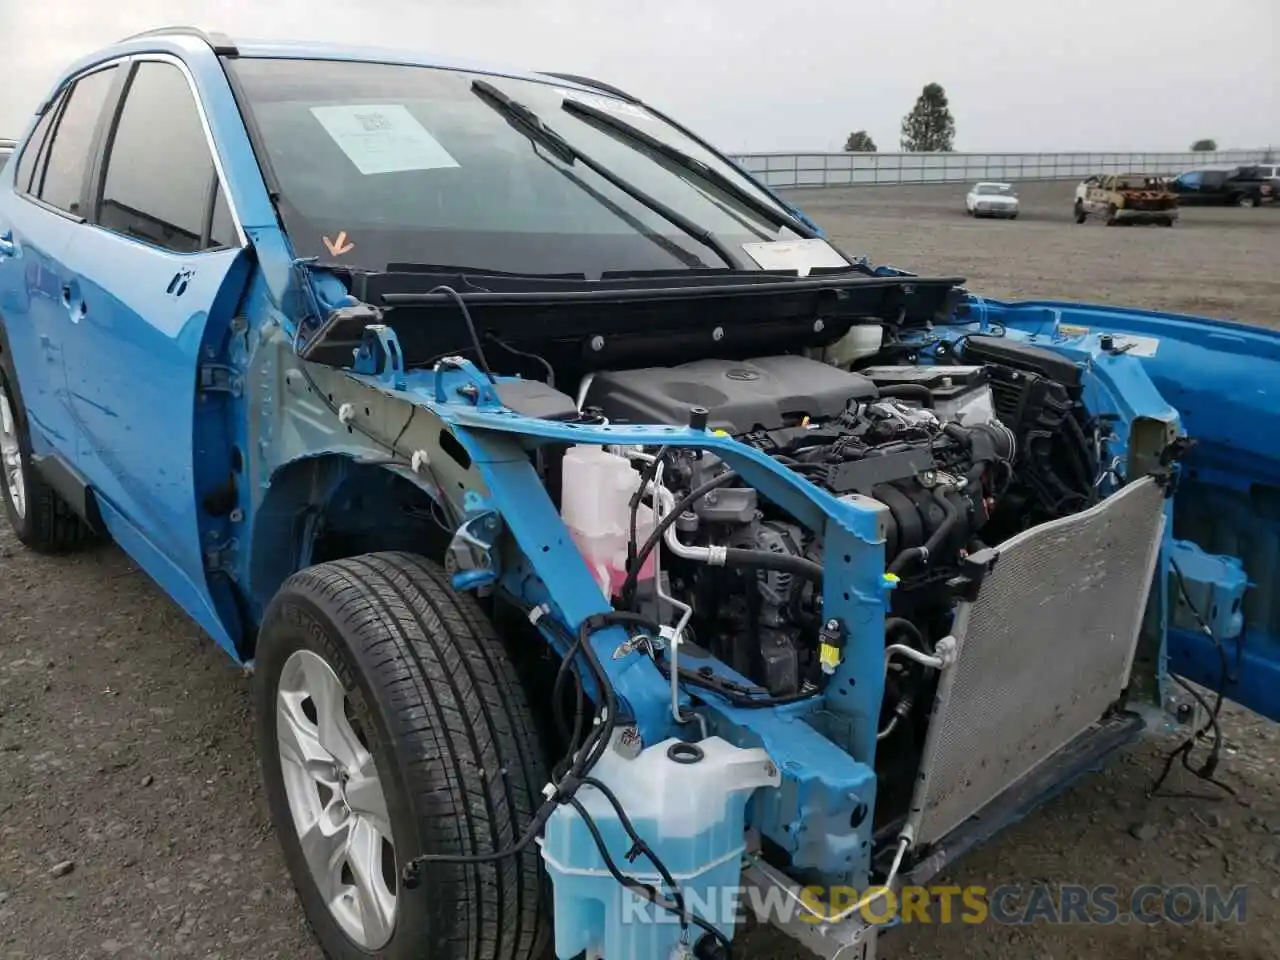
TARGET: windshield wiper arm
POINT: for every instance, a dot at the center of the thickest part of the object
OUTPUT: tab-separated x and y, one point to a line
691	164
533	127
524	119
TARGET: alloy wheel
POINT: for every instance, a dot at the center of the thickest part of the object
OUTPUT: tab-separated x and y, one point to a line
11	459
336	799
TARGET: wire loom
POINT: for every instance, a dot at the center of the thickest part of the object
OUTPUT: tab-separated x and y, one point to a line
576	768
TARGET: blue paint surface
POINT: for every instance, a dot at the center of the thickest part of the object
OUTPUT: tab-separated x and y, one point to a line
118	390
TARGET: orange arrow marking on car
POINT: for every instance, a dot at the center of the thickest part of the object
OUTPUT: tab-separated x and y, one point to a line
340	246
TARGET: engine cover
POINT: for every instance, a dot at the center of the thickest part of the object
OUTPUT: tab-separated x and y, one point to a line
741	395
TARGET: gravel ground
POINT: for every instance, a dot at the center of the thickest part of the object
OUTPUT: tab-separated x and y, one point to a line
131	820
1217	261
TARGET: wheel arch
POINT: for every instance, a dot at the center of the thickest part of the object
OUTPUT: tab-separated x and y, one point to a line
331	505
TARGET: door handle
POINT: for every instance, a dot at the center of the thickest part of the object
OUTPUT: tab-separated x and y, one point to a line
7	247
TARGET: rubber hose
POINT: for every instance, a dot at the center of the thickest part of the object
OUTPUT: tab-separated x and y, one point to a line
895	625
944	529
765	560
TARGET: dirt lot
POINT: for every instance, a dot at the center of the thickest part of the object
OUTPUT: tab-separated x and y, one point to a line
1217	261
126	736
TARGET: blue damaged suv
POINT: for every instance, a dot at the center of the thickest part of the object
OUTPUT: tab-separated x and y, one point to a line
613	553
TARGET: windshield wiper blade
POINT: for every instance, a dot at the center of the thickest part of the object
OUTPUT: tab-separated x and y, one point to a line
691	164
534	127
529	123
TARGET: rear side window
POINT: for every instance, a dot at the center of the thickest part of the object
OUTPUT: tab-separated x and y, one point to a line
34	151
59	181
160	186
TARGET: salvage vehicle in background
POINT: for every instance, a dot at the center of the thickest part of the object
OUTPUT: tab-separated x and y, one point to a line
987	199
1126	198
1246	186
1082	188
602	538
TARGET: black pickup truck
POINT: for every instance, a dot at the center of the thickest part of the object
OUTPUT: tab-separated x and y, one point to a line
1244	186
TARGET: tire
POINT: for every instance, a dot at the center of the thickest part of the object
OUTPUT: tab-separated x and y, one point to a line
1244	200
432	710
39	516
1080	214
1167	222
1111	215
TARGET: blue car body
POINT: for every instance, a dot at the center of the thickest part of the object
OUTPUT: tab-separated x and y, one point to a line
167	398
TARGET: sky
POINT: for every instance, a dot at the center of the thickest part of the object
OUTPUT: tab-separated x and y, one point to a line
784	75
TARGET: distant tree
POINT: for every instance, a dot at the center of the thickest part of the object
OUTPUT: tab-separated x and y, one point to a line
859	142
1207	145
929	127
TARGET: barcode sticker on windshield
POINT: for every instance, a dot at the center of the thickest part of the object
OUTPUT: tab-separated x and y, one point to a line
382	138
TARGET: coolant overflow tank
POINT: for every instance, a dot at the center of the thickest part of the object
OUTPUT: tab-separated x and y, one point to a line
688	803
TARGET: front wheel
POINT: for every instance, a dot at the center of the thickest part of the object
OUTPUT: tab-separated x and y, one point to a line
1244	200
1112	215
1080	213
391	723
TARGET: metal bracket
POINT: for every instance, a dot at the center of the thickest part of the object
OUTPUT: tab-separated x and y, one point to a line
825	933
379	355
220	557
470	559
218	378
477	387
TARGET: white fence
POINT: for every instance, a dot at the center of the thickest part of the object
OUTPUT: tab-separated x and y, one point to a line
856	169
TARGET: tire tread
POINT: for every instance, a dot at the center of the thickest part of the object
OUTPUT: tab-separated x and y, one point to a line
474	765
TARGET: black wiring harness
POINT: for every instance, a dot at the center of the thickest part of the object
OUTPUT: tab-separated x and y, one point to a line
574	771
1208	768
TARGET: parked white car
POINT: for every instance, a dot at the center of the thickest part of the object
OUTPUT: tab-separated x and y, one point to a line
988	199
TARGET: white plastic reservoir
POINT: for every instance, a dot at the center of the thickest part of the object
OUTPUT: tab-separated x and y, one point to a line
688	803
595	503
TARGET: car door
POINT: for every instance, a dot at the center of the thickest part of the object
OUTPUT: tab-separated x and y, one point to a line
1096	197
159	264
39	215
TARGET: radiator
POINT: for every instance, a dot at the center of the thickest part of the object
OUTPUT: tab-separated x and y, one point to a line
1041	653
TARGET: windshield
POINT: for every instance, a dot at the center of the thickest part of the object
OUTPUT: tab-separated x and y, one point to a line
383	163
994	189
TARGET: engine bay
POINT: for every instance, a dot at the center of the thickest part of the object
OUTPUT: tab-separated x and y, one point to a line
813	524
952	456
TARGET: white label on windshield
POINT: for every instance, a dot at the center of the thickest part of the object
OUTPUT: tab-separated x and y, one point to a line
799	255
608	104
382	138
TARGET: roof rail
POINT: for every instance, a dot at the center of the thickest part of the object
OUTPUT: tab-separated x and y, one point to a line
588	82
220	43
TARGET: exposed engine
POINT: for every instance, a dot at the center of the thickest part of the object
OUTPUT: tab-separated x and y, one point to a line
951	457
